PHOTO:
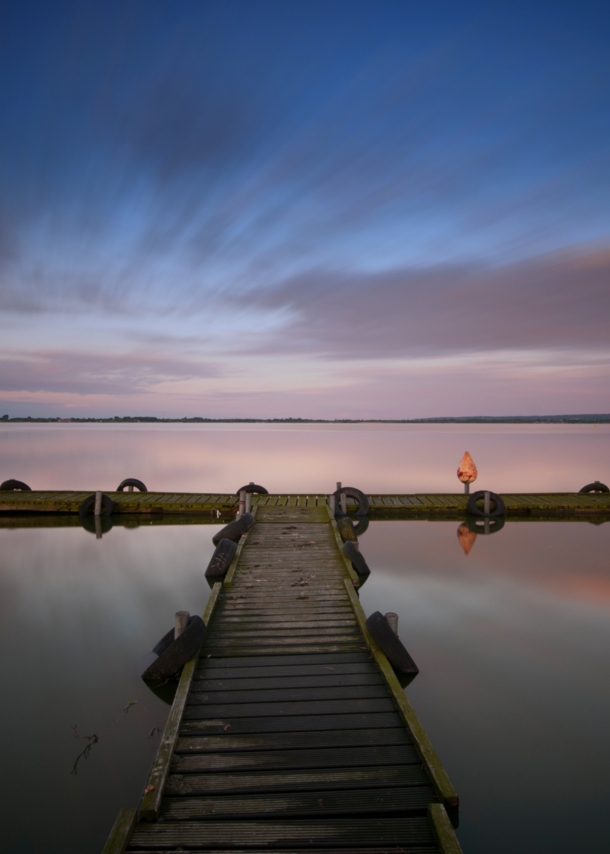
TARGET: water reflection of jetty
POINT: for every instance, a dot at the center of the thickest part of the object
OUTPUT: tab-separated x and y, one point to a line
290	730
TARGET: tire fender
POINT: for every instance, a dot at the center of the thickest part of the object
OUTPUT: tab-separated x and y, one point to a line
234	530
390	644
131	481
221	559
18	486
596	486
497	507
358	495
175	653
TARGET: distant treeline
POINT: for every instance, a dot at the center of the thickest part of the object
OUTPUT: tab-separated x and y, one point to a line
467	419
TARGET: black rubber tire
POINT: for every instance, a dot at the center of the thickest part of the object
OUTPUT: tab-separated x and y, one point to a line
358	495
357	561
178	652
234	530
221	559
496	523
390	644
18	486
596	486
253	487
361	524
88	505
131	481
498	508
346	529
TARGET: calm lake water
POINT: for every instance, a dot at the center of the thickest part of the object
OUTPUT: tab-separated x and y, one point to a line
512	640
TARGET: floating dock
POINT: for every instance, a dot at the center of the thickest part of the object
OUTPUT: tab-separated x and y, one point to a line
290	731
422	506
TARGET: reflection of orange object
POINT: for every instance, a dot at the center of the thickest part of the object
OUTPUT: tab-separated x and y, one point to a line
467	471
466	537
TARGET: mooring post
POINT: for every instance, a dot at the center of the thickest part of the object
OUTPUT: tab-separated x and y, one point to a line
342	499
486	504
97	520
181	622
97	507
331	503
392	621
130	488
466	489
248	502
241	507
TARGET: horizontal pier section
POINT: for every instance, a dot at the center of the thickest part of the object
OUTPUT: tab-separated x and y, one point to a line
422	506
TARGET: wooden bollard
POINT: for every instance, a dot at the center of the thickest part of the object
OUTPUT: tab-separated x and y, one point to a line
392	621
486	504
248	502
241	507
97	507
181	622
331	503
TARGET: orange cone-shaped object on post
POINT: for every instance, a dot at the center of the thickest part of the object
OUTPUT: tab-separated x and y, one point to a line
466	537
467	471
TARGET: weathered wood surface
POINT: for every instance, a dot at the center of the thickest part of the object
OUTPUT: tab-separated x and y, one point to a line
290	731
193	505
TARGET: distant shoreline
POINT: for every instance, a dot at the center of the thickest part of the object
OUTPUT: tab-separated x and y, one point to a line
468	419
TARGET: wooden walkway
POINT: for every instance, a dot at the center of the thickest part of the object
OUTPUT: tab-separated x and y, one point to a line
446	505
290	732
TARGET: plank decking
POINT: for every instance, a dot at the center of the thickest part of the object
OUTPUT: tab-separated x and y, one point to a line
156	504
290	731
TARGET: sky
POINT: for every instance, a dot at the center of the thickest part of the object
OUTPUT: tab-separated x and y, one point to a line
293	208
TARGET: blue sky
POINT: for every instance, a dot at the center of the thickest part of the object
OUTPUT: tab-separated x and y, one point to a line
278	208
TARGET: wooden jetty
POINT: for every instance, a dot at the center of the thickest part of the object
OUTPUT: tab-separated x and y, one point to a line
419	506
289	731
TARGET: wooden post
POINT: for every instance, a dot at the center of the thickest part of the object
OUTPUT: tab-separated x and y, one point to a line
486	504
331	504
466	489
97	520
241	507
130	489
344	503
181	622
248	502
97	507
392	621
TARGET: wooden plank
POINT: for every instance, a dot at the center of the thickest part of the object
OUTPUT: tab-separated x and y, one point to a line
279	670
260	782
439	776
292	741
260	683
228	579
121	831
149	807
289	660
318	804
333	833
295	759
285	709
443	830
285	694
291	723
